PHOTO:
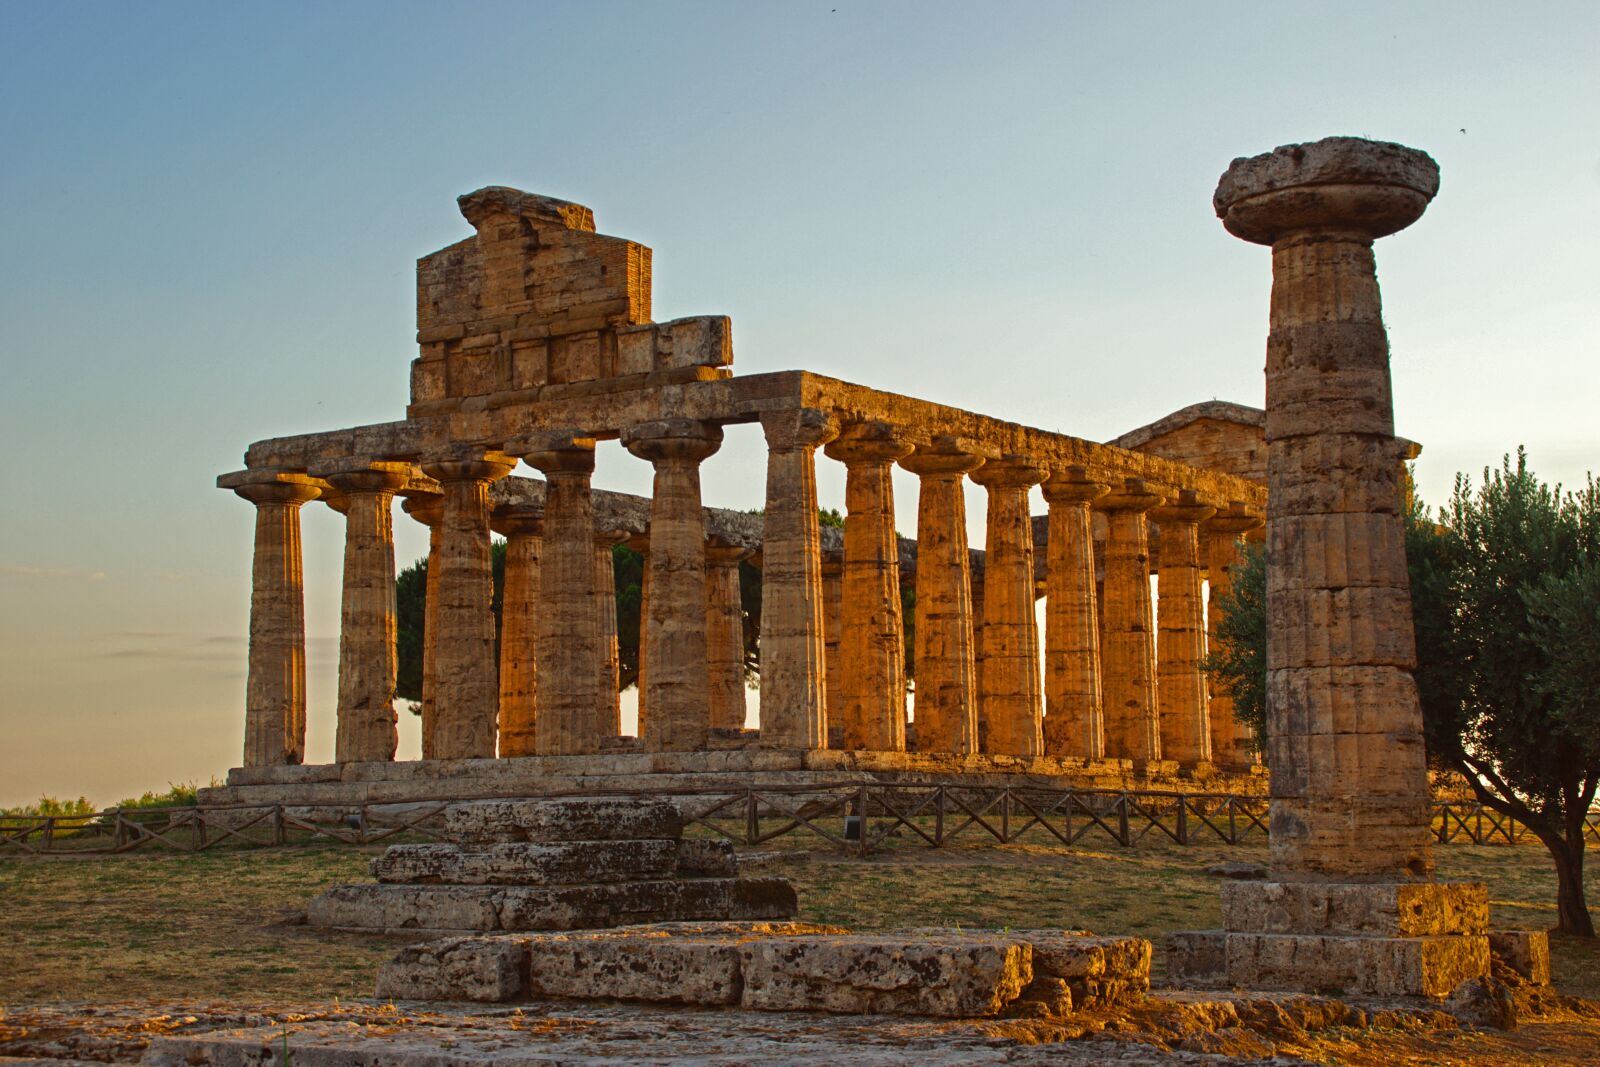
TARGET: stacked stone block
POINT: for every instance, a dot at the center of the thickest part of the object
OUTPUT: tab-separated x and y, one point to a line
564	864
783	966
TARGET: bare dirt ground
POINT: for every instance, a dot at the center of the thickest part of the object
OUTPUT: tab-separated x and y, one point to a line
142	936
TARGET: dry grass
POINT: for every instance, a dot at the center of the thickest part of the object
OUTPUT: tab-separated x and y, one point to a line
152	926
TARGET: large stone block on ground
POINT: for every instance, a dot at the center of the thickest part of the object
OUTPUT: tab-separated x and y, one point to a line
524	863
563	819
694	970
1099	970
1384	909
951	976
707	859
1526	952
484	908
1385	966
488	970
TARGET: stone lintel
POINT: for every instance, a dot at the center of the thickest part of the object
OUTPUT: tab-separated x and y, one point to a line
1356	909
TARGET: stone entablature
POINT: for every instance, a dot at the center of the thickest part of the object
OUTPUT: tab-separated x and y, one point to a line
536	345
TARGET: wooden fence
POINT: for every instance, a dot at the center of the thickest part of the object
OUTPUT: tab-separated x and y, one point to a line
852	817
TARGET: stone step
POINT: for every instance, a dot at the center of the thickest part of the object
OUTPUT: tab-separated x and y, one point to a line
1381	966
473	908
563	819
781	967
522	863
1356	909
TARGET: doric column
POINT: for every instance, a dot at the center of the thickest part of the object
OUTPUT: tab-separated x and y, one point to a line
571	654
725	634
1074	724
428	509
609	704
1231	744
275	692
832	626
947	688
675	630
465	688
1344	739
872	642
1008	675
794	665
367	630
523	529
1181	633
1127	652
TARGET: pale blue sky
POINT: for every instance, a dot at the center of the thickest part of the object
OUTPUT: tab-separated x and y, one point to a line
209	216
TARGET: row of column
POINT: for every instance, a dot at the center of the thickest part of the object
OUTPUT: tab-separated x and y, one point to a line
556	691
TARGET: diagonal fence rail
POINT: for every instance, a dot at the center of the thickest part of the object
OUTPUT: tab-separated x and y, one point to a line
858	818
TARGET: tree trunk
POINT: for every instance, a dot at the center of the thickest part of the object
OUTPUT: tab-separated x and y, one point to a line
1572	909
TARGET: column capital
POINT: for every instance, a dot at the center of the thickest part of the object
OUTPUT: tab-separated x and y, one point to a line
557	451
1010	471
358	477
1185	509
1237	519
944	457
1071	485
798	428
467	465
673	440
725	553
639	542
610	538
516	521
868	442
1132	495
273	486
426	508
1366	189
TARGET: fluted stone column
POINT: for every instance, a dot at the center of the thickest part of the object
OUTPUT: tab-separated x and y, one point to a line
520	609
1127	651
1344	741
609	705
794	664
1074	723
465	687
947	689
1232	746
676	627
1008	675
1181	633
872	641
275	692
725	634
428	509
368	658
832	628
571	653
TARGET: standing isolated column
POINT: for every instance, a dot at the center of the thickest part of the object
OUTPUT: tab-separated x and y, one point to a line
1073	723
794	665
1008	676
428	509
872	642
609	702
1181	633
275	692
1344	741
523	529
466	725
725	634
1127	651
571	654
676	628
1232	747
947	690
368	658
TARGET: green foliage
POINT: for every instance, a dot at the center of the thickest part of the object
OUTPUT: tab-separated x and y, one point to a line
411	601
177	795
48	806
830	517
1239	661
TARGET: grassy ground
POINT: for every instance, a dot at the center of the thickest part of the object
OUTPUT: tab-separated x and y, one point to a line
213	924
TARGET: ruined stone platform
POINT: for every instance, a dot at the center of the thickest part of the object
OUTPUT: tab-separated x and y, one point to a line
783	966
1387	939
556	864
332	790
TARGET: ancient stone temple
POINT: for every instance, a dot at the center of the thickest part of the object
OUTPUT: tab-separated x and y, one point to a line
537	346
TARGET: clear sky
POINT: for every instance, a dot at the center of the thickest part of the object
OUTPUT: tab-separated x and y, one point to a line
209	215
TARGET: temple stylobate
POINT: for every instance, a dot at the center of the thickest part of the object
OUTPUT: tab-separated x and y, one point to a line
537	345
